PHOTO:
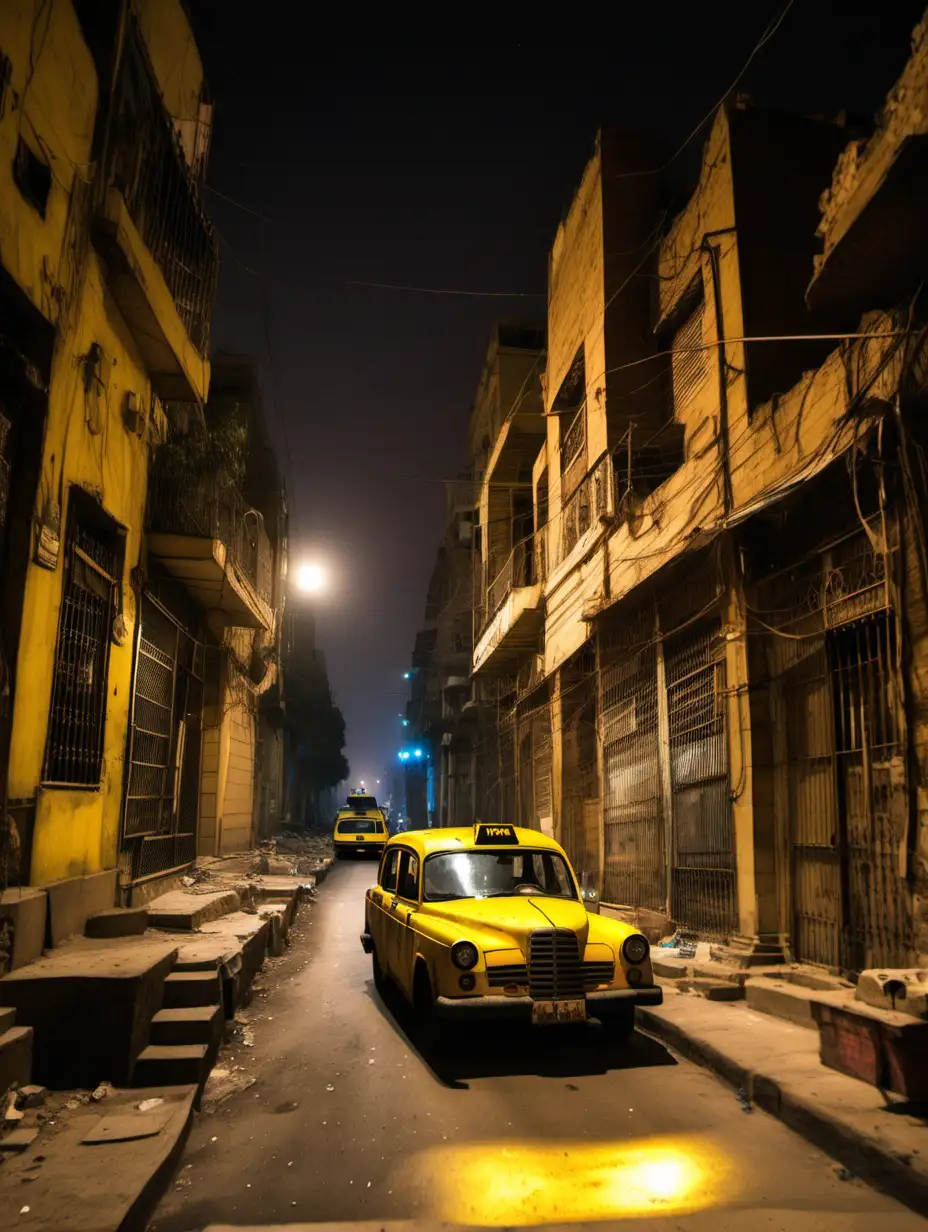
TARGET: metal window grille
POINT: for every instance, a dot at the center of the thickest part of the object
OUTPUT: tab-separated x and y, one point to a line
162	791
690	363
77	718
594	498
148	165
703	856
633	822
840	747
574	438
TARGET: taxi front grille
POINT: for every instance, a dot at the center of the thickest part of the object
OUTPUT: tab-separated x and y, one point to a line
597	973
554	967
510	973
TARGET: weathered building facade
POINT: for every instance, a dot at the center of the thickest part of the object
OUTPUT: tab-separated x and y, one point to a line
140	604
726	642
109	267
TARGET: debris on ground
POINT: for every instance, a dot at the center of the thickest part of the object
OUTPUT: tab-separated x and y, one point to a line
222	1083
18	1139
11	1112
30	1096
101	1092
744	1100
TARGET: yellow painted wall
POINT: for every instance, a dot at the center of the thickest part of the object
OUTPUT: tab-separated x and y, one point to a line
86	443
174	54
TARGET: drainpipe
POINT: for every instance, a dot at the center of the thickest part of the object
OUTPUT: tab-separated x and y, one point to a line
711	250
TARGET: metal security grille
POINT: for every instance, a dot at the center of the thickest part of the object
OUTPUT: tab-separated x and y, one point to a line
634	861
580	802
507	769
526	777
77	718
833	655
574	439
554	967
703	856
871	793
541	752
815	871
161	810
689	361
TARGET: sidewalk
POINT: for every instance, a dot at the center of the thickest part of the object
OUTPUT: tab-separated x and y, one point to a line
777	1065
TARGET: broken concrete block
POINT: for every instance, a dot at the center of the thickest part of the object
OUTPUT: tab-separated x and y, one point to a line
280	866
18	1139
887	988
31	1096
117	922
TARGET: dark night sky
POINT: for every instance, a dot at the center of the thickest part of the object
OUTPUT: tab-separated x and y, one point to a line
441	162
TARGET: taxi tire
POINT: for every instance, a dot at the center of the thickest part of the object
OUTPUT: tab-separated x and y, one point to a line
428	1029
380	978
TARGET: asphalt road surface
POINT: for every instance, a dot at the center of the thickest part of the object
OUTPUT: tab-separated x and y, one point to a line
348	1122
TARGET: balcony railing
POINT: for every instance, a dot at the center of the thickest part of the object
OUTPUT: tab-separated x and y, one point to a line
209	509
146	163
574	438
643	461
525	565
592	500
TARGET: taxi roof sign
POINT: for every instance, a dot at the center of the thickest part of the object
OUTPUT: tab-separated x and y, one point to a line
486	835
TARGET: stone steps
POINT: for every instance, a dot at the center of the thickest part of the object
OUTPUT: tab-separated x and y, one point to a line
15	1057
195	1024
184	989
165	1065
117	922
7	1018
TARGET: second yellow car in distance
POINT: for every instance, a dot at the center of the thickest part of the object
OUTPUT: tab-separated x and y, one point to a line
359	832
490	922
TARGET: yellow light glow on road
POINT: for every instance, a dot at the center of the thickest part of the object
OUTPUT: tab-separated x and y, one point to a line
311	579
496	1184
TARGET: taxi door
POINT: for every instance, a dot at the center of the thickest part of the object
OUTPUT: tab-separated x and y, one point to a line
401	943
382	896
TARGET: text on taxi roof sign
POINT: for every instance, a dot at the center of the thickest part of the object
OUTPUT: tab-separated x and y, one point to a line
486	835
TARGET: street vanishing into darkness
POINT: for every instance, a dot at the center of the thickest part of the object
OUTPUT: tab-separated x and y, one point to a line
348	1122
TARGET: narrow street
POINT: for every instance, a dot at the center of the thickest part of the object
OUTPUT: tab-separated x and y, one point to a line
348	1122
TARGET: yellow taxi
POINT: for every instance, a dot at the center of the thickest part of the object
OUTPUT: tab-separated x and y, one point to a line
490	922
359	832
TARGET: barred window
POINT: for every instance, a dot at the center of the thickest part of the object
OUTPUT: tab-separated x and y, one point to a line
690	361
77	718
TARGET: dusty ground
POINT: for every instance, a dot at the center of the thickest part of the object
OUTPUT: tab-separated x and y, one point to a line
344	1119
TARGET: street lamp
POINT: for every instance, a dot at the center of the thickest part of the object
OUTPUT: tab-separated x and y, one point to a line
311	578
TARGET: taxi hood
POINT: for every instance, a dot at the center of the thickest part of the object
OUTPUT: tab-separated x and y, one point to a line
500	923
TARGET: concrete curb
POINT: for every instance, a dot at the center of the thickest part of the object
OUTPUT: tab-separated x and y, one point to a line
866	1155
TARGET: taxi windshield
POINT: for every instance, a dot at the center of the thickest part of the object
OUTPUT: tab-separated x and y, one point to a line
496	874
359	825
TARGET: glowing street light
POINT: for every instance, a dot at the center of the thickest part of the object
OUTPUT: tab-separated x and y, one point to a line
311	579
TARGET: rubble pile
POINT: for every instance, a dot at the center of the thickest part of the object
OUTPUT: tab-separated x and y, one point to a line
294	853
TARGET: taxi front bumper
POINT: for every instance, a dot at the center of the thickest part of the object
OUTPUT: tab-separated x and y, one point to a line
481	1007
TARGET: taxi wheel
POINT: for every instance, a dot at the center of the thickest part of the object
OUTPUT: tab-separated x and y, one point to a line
427	1028
380	979
619	1024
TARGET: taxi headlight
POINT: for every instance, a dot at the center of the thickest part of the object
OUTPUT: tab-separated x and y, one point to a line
464	955
635	949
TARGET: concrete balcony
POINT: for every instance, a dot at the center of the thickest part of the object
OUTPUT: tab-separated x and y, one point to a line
159	250
216	548
874	241
514	610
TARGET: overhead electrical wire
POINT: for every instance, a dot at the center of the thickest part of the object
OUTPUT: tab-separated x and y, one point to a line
772	27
